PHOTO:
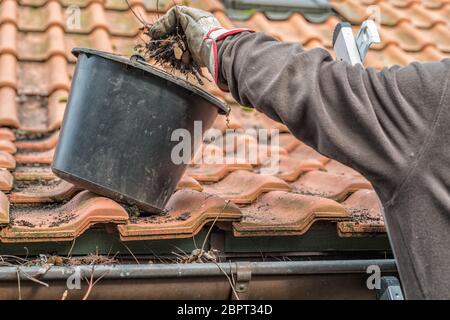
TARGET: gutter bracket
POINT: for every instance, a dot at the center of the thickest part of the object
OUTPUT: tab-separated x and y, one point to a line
390	289
243	277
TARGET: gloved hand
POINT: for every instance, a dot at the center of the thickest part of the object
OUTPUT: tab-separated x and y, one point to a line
202	30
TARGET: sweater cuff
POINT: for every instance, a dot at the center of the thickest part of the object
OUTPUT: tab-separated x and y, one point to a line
215	36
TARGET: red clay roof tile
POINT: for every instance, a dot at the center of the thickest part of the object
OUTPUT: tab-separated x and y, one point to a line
58	77
288	142
188	182
8	11
61	223
34	174
8	38
40	18
7	134
43	78
329	185
289	168
208	5
351	10
39	144
8	65
336	167
56	107
7	146
56	191
187	212
44	157
365	212
7	161
214	172
8	110
4	209
303	152
6	180
284	213
244	187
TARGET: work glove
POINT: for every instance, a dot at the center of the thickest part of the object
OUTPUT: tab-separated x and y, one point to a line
202	32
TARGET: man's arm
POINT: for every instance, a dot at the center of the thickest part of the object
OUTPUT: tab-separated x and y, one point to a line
375	122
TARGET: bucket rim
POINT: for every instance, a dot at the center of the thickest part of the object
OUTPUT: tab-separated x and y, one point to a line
223	108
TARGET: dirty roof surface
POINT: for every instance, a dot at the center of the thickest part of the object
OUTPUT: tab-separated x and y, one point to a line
36	68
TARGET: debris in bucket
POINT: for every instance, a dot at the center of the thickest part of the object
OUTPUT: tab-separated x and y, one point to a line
170	52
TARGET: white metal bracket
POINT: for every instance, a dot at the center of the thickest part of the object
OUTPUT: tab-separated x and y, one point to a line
349	49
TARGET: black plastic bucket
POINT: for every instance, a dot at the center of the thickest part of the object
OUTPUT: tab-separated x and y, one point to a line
116	135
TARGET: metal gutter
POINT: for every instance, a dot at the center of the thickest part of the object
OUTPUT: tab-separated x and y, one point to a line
334	279
202	270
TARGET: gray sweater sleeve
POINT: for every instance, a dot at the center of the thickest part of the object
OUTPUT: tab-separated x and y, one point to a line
372	121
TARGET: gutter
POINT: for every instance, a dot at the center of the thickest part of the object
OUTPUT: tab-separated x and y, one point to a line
343	278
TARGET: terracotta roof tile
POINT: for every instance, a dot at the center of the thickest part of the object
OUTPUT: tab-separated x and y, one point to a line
8	38
4	209
34	174
8	65
8	110
6	180
214	172
209	5
7	161
284	213
44	157
188	182
56	106
187	212
7	134
8	11
31	18
44	144
244	187
303	152
61	223
207	152
336	167
43	78
8	146
366	215
55	191
288	142
290	168
329	185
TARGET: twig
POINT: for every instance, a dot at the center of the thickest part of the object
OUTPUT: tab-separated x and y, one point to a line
229	280
195	243
18	283
214	222
134	13
26	256
33	279
181	250
71	248
92	283
132	254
